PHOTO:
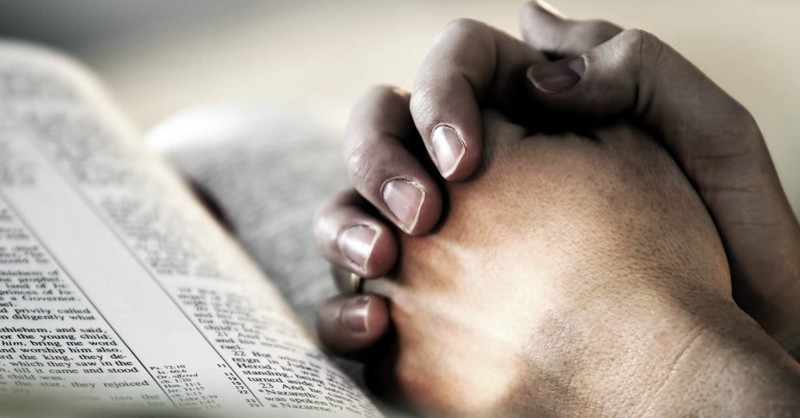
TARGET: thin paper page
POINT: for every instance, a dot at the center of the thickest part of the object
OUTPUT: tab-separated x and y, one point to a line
116	287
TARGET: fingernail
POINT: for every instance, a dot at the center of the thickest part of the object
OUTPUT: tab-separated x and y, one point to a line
404	199
356	244
558	76
354	315
448	149
549	9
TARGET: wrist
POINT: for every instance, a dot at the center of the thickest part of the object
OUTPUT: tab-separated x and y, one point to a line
734	368
667	358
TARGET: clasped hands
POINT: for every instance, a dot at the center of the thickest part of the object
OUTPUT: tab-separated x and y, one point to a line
578	224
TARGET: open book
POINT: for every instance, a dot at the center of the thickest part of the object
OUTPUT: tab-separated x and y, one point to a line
117	288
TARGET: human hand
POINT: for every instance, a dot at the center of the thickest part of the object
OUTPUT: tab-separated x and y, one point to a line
383	151
713	138
562	272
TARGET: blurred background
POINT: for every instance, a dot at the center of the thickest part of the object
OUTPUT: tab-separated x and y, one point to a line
160	56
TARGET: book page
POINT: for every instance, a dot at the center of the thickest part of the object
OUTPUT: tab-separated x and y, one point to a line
237	153
117	289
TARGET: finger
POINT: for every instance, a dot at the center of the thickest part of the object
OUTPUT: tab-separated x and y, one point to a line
551	32
351	238
348	325
471	64
381	166
713	138
635	72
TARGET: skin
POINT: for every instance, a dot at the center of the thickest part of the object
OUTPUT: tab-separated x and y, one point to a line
589	231
712	137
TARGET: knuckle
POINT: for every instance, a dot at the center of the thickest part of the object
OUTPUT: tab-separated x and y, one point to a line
384	91
463	25
327	222
462	31
321	219
630	42
373	99
601	30
641	45
323	211
650	47
366	101
381	89
360	163
318	219
423	106
324	234
748	127
639	51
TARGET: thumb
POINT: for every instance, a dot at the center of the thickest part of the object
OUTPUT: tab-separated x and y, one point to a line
712	137
636	72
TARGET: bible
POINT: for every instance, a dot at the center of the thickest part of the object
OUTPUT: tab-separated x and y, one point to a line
118	289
